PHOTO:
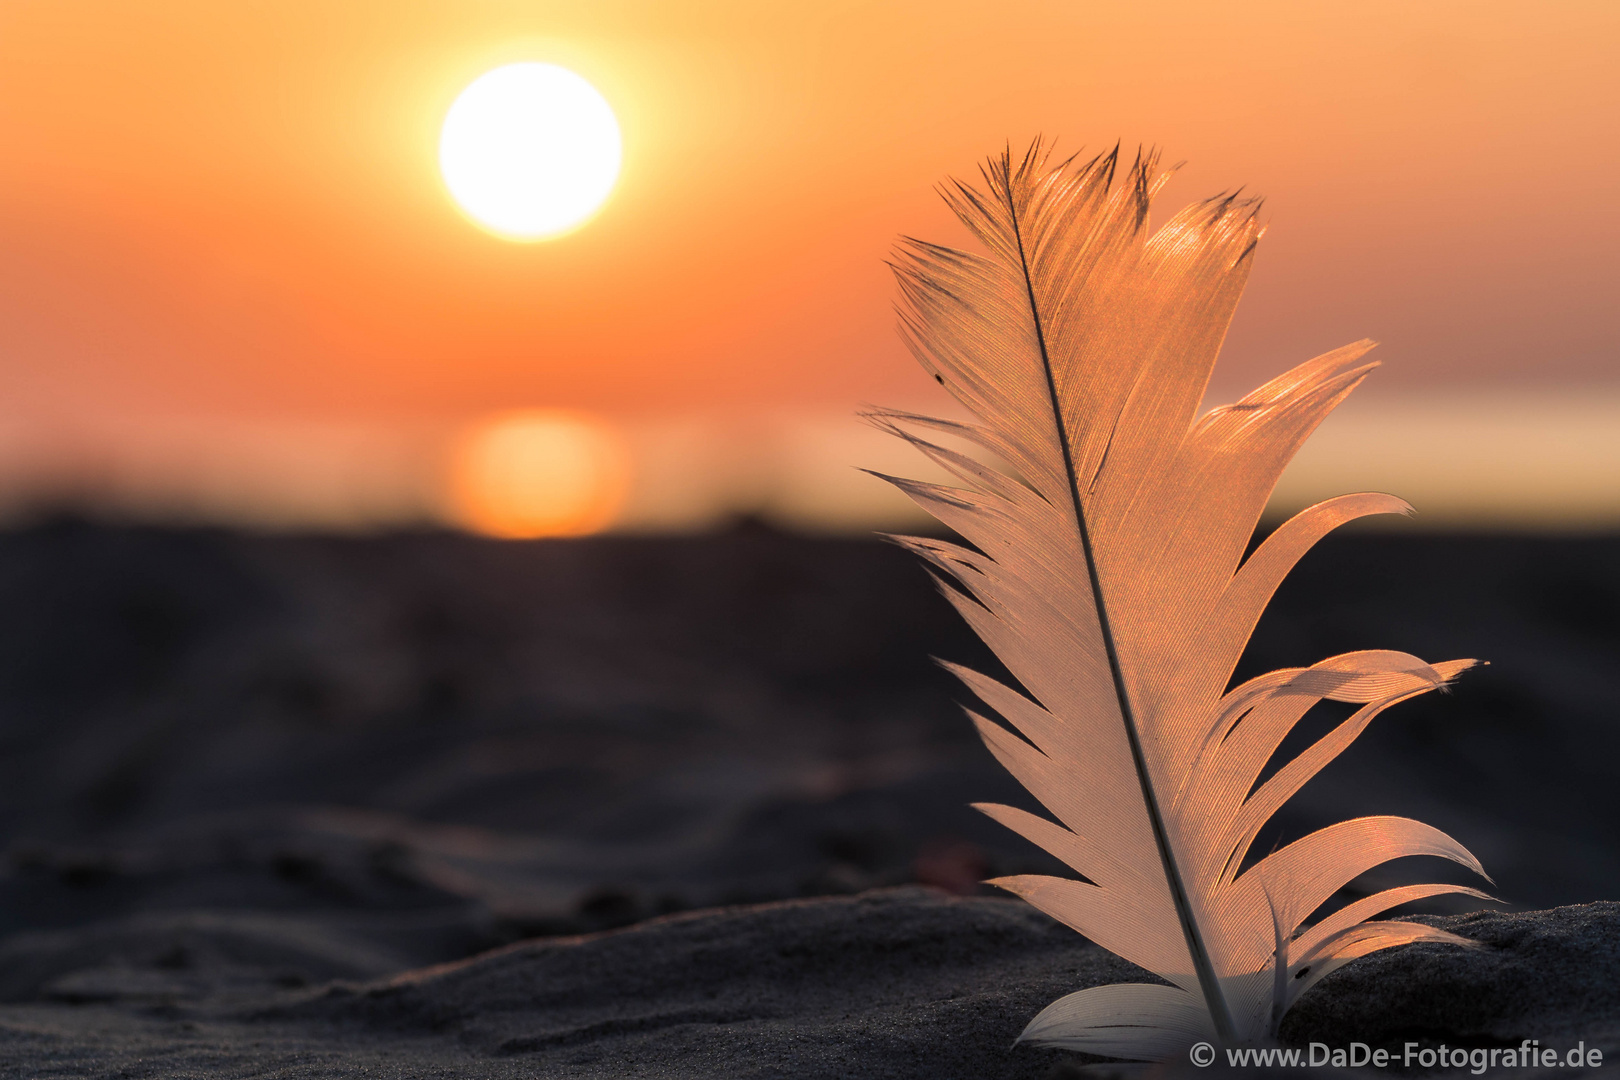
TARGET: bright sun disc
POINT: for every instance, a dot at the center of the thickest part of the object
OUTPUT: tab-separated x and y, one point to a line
530	151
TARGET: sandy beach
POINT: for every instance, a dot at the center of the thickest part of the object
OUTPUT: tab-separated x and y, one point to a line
422	805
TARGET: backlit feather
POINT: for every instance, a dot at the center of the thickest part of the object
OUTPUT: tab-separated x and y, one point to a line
1104	566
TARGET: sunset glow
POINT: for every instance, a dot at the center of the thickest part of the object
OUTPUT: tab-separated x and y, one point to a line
538	473
261	218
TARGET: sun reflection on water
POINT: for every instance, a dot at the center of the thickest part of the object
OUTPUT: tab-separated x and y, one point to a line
541	472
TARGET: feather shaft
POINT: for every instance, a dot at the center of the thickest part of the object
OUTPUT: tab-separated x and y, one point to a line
1208	981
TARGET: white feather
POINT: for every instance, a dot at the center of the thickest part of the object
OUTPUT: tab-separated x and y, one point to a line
1105	568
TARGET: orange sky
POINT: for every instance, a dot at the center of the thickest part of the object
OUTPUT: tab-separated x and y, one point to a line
234	209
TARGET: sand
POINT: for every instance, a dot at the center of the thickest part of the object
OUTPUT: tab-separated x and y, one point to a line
421	805
904	982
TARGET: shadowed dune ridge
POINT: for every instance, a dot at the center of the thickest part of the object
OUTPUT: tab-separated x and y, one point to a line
238	768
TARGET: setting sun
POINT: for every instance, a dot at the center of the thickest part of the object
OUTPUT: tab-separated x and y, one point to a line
542	472
530	151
